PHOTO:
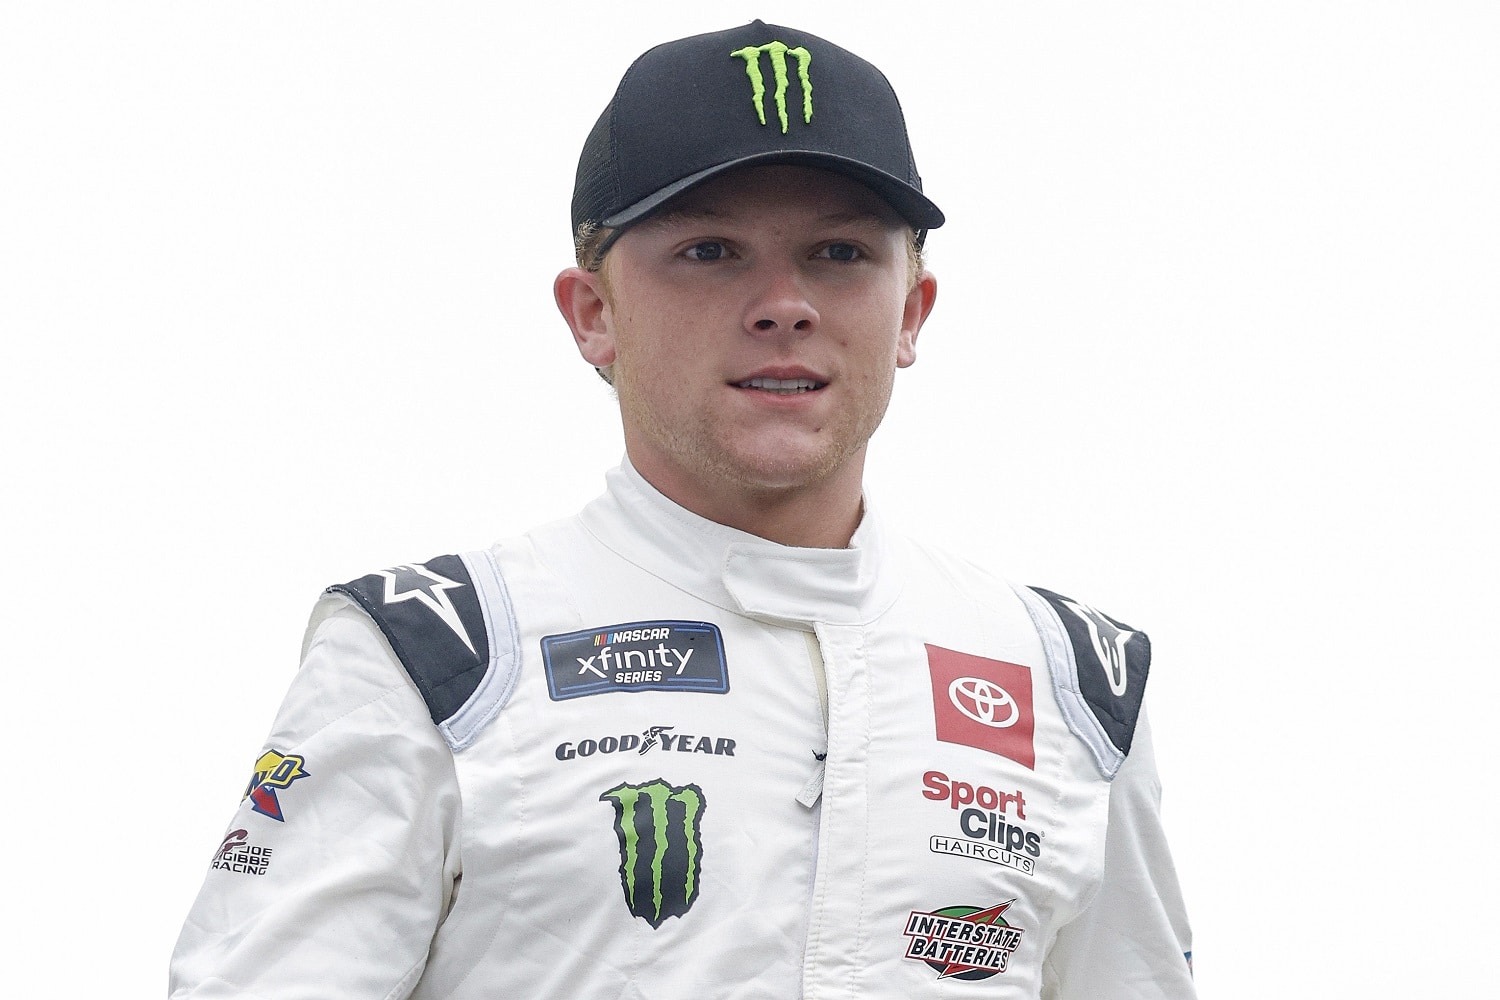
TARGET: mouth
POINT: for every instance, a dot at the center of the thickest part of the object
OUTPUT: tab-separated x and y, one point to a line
781	386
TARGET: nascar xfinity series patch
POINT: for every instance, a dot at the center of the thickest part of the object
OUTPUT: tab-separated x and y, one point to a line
636	656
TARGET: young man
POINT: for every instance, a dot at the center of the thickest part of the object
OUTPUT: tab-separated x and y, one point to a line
723	733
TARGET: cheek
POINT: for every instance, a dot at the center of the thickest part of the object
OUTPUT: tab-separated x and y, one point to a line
882	348
658	350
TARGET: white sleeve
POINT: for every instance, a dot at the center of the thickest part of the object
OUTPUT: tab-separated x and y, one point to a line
1132	940
339	897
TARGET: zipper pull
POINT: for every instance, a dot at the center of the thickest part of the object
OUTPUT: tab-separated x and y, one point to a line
813	790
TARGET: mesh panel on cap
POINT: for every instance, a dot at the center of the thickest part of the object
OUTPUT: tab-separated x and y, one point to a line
597	185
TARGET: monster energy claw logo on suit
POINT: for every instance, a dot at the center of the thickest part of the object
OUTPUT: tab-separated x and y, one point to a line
661	848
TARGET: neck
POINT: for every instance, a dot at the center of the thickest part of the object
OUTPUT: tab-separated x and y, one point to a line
819	515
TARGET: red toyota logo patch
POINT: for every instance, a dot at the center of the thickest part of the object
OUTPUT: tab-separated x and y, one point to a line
983	703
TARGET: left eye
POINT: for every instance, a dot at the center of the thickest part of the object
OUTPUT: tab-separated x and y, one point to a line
707	250
841	251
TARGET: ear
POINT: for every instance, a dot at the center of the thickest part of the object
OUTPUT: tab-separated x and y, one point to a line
919	303
581	300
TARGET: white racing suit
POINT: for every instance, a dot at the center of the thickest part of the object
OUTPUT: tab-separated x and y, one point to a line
637	755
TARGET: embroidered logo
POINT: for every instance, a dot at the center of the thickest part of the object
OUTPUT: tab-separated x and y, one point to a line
990	824
650	736
636	656
963	942
648	740
778	52
983	703
1112	662
236	854
415	582
1108	640
987	704
661	847
273	772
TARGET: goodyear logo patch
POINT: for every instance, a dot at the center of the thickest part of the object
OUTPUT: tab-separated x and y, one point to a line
636	656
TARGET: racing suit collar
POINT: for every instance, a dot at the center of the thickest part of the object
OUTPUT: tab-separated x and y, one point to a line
740	572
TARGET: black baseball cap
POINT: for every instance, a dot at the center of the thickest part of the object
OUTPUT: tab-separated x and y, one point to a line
689	110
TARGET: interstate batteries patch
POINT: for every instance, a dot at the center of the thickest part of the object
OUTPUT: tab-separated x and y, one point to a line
963	942
636	656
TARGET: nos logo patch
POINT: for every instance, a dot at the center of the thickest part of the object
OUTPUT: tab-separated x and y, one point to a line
661	847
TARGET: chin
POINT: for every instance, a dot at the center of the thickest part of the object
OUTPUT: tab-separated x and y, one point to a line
785	466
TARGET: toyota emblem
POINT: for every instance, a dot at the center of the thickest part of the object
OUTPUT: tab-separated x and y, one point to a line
985	702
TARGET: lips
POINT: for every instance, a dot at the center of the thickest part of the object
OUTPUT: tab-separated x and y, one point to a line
782	382
784	386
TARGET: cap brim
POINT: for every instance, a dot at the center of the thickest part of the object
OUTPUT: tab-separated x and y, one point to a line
909	203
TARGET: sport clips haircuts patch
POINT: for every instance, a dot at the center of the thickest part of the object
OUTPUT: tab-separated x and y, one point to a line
636	656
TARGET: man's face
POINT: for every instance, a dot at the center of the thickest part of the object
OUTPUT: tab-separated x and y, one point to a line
754	329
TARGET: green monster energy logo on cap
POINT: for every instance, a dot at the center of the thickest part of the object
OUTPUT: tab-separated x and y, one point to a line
661	848
779	52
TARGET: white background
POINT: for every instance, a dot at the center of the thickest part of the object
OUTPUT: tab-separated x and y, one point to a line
1215	349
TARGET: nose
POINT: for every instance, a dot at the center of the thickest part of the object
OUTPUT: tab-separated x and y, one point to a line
781	308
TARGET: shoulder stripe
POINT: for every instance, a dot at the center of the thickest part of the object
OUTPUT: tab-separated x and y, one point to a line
499	680
432	616
1099	669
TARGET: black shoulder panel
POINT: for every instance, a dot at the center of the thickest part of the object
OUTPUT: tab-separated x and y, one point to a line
430	614
1113	660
